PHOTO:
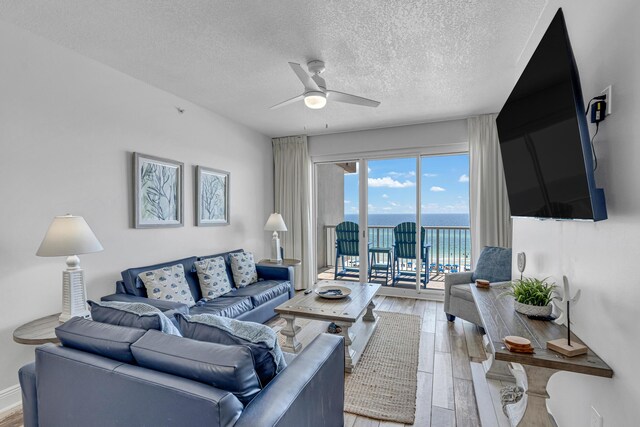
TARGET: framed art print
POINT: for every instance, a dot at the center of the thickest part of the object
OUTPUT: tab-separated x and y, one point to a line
212	196
158	192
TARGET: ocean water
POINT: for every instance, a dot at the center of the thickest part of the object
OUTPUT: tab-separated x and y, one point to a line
441	220
448	246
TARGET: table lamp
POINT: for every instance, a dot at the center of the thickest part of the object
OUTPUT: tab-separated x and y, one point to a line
69	236
275	223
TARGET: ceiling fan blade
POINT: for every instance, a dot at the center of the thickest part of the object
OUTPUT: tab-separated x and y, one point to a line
287	102
319	81
333	95
307	81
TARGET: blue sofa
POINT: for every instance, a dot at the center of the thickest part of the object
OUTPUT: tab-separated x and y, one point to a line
253	303
106	375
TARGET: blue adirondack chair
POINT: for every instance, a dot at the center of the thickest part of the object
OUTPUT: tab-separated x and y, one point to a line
347	243
404	247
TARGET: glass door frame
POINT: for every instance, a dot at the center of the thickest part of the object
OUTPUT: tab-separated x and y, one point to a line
363	177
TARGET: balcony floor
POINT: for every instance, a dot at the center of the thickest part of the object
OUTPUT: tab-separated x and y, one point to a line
436	280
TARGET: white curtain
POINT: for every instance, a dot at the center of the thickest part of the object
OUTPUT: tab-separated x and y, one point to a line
292	199
489	205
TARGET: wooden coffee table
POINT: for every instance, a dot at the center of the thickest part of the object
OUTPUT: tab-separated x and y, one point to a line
343	312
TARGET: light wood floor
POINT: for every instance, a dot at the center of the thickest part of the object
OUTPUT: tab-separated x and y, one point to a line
445	389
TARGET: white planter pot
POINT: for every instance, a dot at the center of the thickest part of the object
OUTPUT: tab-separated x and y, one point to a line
533	310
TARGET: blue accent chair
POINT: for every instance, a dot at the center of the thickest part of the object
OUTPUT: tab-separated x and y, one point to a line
494	265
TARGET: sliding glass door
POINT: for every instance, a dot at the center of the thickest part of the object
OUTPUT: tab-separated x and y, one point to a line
402	222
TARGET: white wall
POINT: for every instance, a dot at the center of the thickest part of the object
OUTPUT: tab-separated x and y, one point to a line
601	258
349	145
67	127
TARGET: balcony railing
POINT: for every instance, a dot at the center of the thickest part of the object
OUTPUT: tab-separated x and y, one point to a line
450	250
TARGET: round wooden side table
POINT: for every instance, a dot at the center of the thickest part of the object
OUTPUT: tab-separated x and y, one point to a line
39	331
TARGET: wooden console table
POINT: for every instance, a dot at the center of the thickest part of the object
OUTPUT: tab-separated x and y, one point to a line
532	371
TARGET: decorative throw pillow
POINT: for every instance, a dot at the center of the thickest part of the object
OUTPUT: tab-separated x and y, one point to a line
494	265
243	268
132	314
168	283
212	275
262	340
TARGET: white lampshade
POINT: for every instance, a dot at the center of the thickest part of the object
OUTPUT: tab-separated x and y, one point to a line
275	223
315	100
69	235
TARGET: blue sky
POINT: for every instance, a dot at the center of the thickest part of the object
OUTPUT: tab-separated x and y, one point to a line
392	186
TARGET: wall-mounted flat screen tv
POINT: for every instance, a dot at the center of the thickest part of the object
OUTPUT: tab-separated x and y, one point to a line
544	138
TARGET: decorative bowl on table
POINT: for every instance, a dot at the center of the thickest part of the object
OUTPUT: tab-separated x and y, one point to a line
333	292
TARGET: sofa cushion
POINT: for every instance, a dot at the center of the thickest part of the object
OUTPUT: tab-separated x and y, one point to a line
212	276
493	265
134	286
227	367
244	269
262	340
132	314
227	306
262	291
98	338
168	283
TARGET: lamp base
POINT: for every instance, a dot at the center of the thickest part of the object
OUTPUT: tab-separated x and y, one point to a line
74	295
275	249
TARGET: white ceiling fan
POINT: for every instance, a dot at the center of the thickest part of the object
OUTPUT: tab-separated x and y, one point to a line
315	89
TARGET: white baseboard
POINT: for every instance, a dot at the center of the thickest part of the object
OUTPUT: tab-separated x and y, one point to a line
10	397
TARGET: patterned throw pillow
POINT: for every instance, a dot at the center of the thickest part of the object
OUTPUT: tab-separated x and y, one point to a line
212	275
243	268
168	283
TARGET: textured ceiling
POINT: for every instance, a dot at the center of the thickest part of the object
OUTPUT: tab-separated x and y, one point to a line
424	60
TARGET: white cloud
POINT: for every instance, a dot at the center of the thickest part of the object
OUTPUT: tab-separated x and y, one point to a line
385	196
430	175
402	174
463	178
387	208
369	170
437	189
393	203
346	202
389	182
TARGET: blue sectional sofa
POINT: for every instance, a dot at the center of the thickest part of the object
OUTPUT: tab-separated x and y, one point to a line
254	303
107	375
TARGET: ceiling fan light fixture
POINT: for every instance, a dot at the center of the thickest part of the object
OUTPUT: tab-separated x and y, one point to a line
315	100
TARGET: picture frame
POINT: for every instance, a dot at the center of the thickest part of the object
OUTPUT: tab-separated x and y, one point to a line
212	197
158	192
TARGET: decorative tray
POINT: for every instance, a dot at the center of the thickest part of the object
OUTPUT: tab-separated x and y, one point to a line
333	292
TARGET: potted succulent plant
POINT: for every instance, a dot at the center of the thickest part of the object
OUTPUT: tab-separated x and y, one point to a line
532	296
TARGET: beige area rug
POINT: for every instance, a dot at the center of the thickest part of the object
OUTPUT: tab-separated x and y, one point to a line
384	382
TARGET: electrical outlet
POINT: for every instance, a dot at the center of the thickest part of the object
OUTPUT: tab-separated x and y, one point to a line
607	91
596	418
